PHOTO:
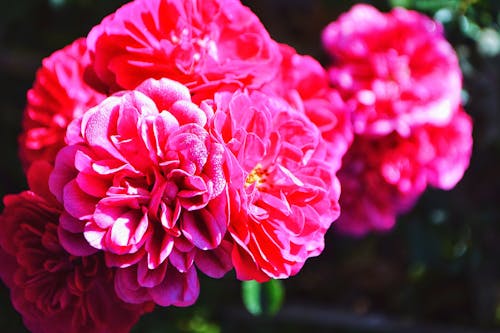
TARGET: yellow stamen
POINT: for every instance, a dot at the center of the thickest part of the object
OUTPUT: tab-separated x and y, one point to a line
257	175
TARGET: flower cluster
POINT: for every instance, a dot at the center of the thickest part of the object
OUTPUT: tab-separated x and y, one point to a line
178	138
403	82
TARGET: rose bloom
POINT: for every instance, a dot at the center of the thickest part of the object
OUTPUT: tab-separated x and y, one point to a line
54	291
146	184
304	83
384	176
286	196
59	95
396	67
201	43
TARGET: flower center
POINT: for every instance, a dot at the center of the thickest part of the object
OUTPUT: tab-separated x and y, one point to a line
257	175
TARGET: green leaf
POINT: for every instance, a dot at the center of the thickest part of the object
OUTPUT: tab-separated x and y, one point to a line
401	3
275	293
263	298
251	297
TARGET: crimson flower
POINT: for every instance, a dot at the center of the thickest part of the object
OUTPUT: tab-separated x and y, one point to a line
53	290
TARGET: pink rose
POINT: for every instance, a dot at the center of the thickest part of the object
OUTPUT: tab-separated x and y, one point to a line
59	95
396	67
304	84
145	183
53	290
382	177
284	198
200	43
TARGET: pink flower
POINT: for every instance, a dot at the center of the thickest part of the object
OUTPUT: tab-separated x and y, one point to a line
145	183
397	68
382	177
285	197
59	95
304	84
200	43
54	291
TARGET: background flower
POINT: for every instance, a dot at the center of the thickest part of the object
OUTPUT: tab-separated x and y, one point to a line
53	290
304	83
397	68
383	176
59	95
403	81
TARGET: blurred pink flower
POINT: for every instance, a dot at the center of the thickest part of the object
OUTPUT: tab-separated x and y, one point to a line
59	95
383	176
396	67
200	43
303	82
286	196
147	184
54	291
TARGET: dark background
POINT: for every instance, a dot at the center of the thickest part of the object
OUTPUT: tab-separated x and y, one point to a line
437	271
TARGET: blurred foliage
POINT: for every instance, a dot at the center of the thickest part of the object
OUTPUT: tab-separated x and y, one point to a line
440	265
262	298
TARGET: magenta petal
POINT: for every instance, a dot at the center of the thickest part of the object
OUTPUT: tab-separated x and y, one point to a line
179	289
127	288
215	263
205	228
201	229
123	260
70	223
63	171
78	203
182	261
150	278
75	244
158	248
